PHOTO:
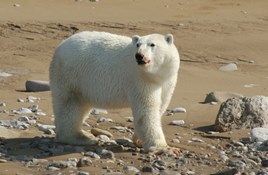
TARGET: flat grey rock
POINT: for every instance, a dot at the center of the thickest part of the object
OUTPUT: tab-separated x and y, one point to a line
37	86
242	112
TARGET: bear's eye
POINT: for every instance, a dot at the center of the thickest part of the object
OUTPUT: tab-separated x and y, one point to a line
138	44
152	44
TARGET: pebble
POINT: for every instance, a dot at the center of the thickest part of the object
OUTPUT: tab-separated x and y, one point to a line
63	164
177	122
20	100
250	85
39	113
131	169
39	161
84	161
103	119
5	74
14	124
45	128
16	5
236	163
106	139
149	169
120	128
264	163
22	111
106	154
259	134
83	173
92	155
178	110
229	67
98	111
3	161
159	164
130	119
2	104
96	132
197	140
52	168
124	142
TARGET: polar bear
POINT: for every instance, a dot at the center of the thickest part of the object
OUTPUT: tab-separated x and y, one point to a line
104	70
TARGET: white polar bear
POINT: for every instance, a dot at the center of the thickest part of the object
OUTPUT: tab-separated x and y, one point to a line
99	69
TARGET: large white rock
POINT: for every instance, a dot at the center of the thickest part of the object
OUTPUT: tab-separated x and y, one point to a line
242	112
259	134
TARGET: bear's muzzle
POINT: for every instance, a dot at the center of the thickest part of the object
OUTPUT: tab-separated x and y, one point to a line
141	59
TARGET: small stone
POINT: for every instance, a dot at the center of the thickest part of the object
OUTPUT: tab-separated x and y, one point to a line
98	111
5	74
92	155
23	118
103	119
32	99
250	85
177	122
39	113
45	128
125	142
20	100
50	132
34	108
148	169
175	140
2	104
131	170
83	173
63	164
236	163
84	161
120	128
259	134
229	67
105	139
130	119
22	111
178	110
96	132
52	168
105	154
3	161
16	5
264	163
159	164
197	140
224	157
39	161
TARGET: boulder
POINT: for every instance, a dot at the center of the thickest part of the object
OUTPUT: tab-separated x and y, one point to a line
242	112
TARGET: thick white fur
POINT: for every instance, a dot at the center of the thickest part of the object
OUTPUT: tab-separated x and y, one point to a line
98	69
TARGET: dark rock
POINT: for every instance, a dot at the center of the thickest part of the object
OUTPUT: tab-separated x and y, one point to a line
37	86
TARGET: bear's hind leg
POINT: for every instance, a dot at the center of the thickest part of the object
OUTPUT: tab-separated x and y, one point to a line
69	116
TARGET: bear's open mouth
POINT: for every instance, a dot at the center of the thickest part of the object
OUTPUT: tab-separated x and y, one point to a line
142	62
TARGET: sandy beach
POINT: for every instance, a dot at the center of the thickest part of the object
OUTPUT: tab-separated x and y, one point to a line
208	35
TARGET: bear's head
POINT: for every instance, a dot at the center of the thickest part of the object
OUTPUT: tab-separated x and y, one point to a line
156	54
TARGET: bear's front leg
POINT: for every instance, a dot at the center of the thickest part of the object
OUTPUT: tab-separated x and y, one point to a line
147	121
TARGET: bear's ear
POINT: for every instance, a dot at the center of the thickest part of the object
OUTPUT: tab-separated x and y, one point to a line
135	39
169	38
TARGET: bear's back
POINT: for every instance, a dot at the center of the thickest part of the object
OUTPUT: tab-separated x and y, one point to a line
93	45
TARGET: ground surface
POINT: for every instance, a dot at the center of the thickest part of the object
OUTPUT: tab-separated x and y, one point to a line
208	35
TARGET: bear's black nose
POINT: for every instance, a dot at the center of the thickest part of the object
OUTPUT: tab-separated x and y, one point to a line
139	59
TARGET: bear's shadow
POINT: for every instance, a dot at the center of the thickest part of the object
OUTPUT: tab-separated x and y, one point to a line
25	149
